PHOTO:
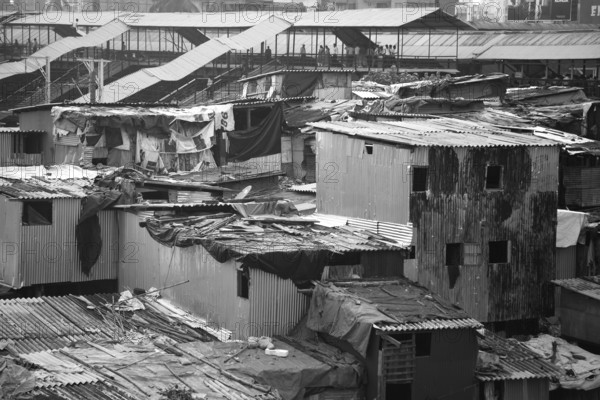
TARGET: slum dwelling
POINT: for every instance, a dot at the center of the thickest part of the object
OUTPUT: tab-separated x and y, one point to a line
245	267
482	202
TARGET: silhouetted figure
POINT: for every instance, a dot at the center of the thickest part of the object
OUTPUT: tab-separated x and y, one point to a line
268	54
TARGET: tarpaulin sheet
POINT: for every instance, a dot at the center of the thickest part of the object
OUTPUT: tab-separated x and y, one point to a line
263	140
299	266
299	84
569	227
168	235
338	313
292	375
87	231
581	368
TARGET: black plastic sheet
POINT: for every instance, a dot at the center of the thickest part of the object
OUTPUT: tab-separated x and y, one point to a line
263	140
87	231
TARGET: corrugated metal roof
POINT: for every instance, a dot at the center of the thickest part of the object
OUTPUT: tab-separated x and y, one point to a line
546	46
515	360
413	307
61	47
587	286
531	26
40	188
189	62
438	132
407	17
433	325
307	188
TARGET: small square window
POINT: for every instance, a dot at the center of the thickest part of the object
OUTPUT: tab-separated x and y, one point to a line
453	254
423	344
493	177
368	148
419	179
243	282
37	213
499	252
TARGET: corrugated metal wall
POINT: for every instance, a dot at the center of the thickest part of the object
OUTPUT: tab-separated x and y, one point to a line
40	120
212	290
374	186
527	389
566	262
457	209
48	253
6	148
275	304
10	217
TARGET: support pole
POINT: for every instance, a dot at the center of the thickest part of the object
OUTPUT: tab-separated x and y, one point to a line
48	81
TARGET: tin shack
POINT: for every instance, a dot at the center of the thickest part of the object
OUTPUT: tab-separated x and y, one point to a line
415	345
244	270
39	215
482	202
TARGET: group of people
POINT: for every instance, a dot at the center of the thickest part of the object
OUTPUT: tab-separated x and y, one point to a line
378	57
27	49
325	57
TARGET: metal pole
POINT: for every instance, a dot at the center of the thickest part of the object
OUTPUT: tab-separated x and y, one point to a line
48	87
100	79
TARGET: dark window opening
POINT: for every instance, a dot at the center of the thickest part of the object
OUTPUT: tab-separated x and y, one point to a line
401	337
350	258
240	116
369	148
37	213
493	177
395	391
32	144
419	175
423	344
498	252
243	282
412	254
453	254
155	195
103	161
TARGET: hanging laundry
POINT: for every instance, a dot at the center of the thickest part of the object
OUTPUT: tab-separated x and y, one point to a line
200	141
224	117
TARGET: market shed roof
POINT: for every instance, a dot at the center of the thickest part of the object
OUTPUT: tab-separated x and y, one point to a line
507	359
444	132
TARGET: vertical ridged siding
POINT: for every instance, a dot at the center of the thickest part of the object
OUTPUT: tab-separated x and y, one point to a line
6	146
275	304
566	262
212	291
10	236
457	209
48	253
370	186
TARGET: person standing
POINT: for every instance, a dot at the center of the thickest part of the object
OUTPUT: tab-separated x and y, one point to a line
320	56
268	54
349	56
334	57
327	57
303	52
35	45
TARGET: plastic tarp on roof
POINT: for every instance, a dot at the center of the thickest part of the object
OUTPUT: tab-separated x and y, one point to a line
192	60
61	47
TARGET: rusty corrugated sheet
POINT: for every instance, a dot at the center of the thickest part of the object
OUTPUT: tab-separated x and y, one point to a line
457	210
275	304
